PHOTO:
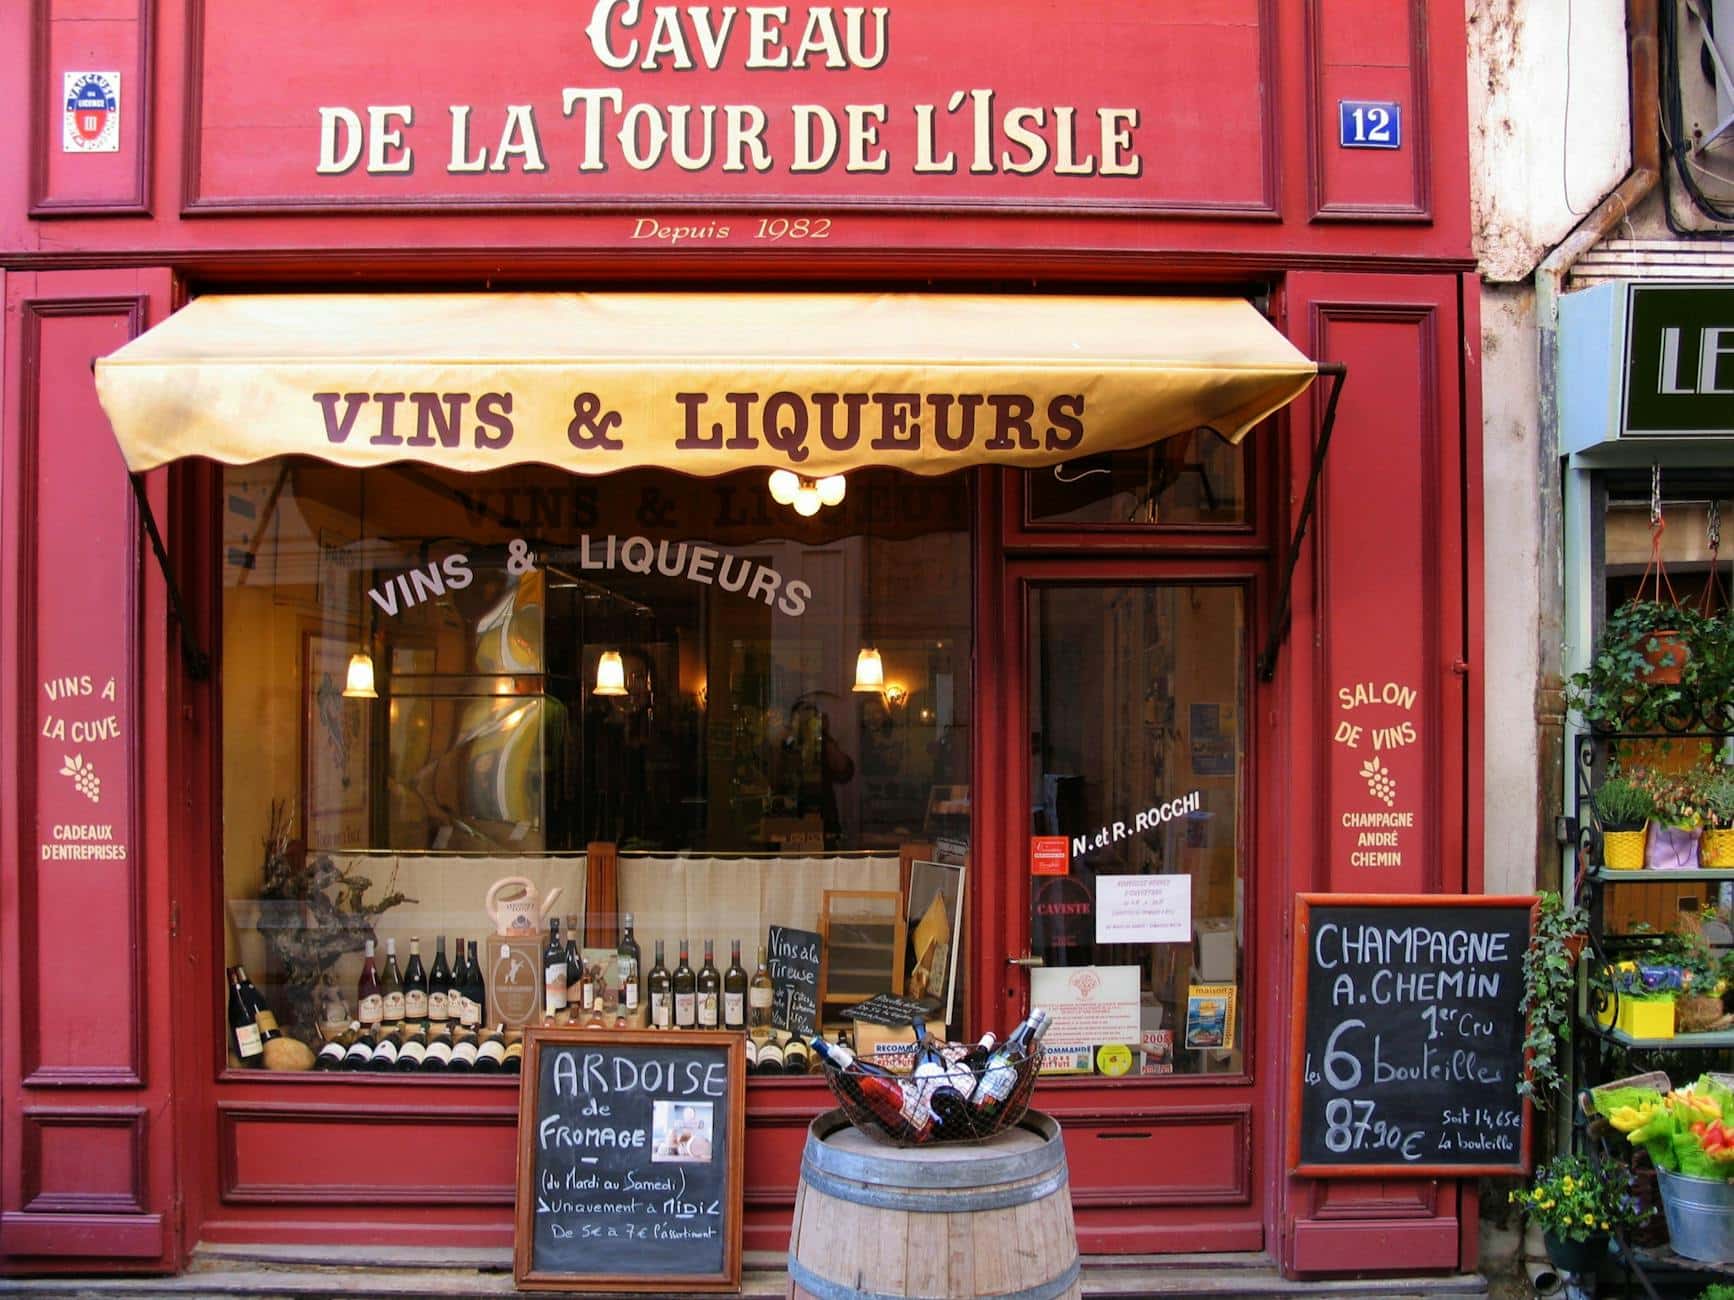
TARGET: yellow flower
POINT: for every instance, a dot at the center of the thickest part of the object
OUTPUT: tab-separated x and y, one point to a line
1544	1205
1590	1219
1604	1225
1568	1185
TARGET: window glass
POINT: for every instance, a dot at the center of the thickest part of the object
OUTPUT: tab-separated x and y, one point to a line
1137	770
662	664
1197	478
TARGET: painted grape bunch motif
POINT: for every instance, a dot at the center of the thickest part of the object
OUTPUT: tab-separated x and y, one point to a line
84	777
1380	783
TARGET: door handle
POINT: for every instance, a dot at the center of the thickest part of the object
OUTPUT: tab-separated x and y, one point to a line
1026	961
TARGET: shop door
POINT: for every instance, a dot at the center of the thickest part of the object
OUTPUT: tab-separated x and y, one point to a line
1136	921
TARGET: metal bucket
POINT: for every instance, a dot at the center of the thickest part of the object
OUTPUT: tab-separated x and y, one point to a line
1700	1216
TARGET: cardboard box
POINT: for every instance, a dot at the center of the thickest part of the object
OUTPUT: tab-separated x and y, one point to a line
892	1046
1215	950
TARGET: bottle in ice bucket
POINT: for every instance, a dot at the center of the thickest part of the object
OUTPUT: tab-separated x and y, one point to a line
1000	1075
897	1104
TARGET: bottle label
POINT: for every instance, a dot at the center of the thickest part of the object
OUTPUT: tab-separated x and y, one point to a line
332	1051
683	1008
761	997
465	1052
439	1051
588	998
554	987
371	1010
360	1052
415	1005
472	1012
386	1051
247	1040
492	1050
267	1021
659	1010
629	991
438	1007
413	1050
394	1006
707	1010
734	1009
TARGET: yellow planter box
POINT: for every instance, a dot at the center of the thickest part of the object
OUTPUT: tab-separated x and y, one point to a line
1646	1017
1623	850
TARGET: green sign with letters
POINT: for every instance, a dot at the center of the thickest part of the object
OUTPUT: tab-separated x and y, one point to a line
1679	361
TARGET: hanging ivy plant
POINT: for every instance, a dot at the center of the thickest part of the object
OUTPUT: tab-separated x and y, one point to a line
1549	994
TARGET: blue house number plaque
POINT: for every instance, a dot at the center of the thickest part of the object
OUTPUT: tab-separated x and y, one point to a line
1369	124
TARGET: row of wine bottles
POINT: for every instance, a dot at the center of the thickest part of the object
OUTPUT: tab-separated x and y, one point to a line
445	995
424	1049
952	1093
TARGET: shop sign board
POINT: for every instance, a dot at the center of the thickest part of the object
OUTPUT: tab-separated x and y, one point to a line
1679	361
793	959
650	107
630	1161
1408	1038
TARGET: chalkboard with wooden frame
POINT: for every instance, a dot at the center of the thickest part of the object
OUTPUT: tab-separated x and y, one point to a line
1407	1035
630	1148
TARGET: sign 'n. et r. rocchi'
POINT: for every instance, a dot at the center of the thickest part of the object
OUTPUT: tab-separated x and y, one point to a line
624	104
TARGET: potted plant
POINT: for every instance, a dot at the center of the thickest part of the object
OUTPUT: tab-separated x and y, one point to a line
1623	806
1675	824
1689	1133
1713	653
1549	992
1577	1201
1713	797
1642	675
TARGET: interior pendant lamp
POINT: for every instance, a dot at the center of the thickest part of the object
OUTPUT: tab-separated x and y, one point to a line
869	667
358	682
610	674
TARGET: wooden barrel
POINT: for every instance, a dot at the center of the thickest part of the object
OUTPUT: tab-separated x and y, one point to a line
989	1219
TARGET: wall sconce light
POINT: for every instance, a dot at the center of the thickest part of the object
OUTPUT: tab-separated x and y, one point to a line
896	694
869	671
358	683
610	674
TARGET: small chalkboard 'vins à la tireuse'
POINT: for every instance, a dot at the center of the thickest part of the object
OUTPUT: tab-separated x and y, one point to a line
1408	1039
792	959
629	1161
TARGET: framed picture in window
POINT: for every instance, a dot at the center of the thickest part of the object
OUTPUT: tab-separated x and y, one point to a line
935	911
336	743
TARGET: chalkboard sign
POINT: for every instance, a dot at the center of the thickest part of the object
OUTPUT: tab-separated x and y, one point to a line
1408	1041
629	1161
793	960
888	1009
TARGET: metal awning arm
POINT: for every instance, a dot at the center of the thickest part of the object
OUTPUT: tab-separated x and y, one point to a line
197	662
1279	623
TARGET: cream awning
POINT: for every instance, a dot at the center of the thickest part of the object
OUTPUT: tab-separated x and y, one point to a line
701	383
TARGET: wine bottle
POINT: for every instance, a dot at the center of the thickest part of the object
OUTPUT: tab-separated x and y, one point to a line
243	1026
735	989
796	1057
685	992
841	1056
752	1055
661	1013
941	1091
439	985
415	984
514	1062
465	1045
439	1053
1000	1075
360	1052
369	1002
475	992
262	1014
412	1051
491	1054
460	980
553	972
770	1057
627	958
975	1059
331	1055
384	1053
391	989
580	992
709	988
761	995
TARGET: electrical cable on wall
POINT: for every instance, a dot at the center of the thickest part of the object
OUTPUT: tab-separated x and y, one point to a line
1674	135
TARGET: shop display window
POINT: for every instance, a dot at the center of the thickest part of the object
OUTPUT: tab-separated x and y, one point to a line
649	694
1138	785
1195	480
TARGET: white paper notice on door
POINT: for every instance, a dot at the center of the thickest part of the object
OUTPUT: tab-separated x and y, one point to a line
1144	909
1091	1005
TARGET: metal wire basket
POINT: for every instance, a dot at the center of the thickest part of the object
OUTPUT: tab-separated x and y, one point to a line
965	1105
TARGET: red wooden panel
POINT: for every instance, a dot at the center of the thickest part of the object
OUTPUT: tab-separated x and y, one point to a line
282	1153
1161	1155
1387	1246
1368	49
89	36
78	721
84	1161
255	135
65	1237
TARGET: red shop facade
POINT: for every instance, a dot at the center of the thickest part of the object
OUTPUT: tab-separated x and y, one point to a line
1060	642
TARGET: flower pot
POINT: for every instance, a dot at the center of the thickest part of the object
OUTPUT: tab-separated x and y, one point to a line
1671	848
1665	654
1623	850
1580	1257
1716	849
1700	1216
